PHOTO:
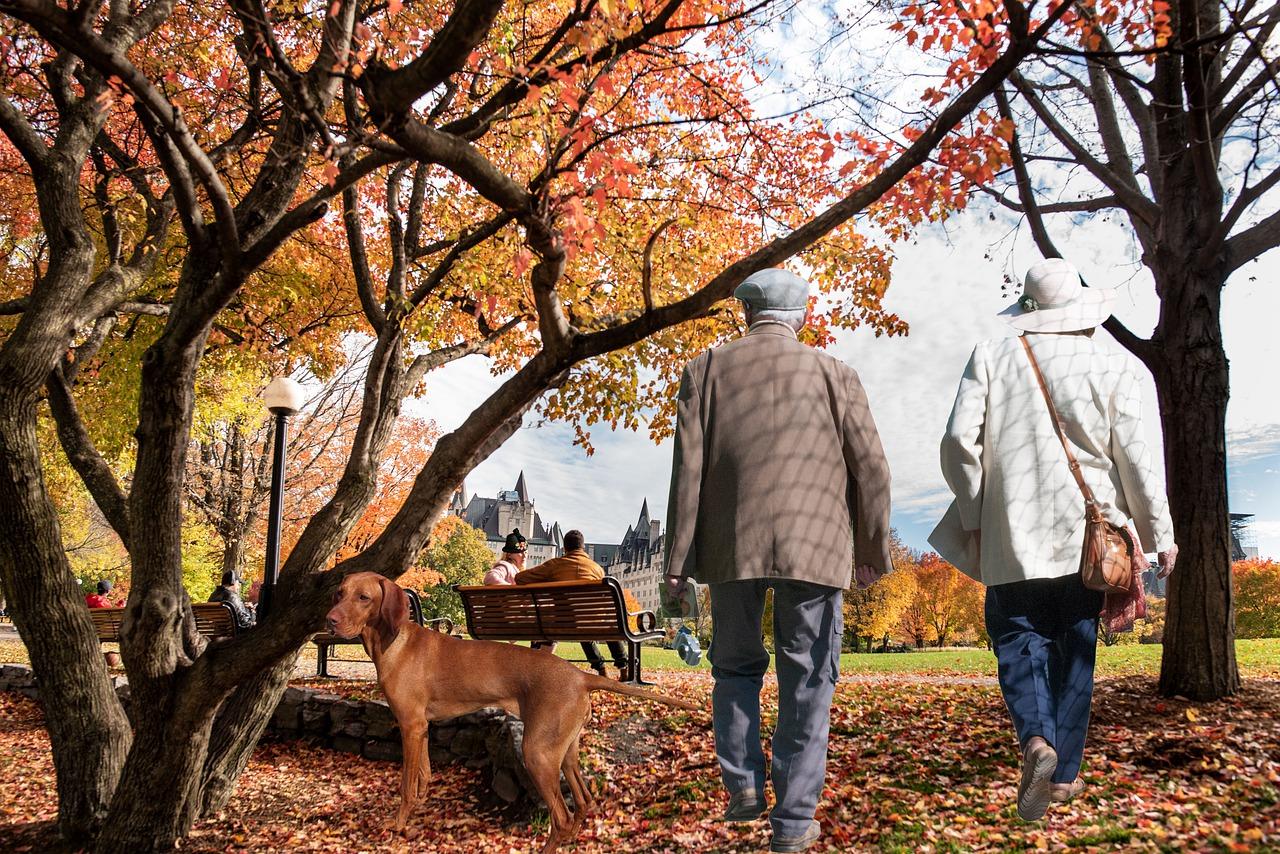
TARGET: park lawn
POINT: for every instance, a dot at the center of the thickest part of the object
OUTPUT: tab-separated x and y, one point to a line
914	765
1257	657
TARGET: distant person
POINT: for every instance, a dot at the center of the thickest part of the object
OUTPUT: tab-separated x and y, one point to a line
576	565
99	599
506	568
229	593
1018	521
778	482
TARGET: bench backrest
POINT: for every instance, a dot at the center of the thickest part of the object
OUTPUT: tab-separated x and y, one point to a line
563	610
106	622
213	619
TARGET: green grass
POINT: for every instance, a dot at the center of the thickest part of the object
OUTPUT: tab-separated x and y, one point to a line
1257	657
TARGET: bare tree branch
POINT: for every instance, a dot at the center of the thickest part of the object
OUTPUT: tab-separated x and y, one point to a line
85	458
1134	201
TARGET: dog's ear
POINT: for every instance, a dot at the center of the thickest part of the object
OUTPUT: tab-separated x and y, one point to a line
395	609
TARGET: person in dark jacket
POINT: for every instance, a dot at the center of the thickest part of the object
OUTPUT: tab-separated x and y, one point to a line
229	592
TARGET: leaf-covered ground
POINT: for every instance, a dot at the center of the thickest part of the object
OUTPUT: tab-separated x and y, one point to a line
919	765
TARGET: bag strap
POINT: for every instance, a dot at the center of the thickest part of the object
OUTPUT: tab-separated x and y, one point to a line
1091	504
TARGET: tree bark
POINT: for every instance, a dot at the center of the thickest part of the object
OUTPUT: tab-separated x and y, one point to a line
235	734
87	727
161	775
1199	658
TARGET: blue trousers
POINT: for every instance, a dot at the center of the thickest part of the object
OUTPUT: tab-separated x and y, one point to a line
807	626
1045	634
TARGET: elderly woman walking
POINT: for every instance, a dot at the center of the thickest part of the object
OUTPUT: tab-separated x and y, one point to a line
1018	520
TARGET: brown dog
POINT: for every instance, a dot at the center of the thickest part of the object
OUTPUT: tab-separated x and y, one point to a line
429	676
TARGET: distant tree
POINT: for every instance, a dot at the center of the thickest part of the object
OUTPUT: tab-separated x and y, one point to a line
873	613
457	555
938	598
971	610
1257	598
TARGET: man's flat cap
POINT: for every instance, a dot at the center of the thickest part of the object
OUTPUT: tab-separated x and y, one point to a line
774	289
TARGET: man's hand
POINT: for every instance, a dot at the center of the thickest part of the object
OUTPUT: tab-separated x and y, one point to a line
673	589
1166	560
865	576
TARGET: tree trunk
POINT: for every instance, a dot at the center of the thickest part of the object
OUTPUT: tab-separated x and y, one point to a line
88	731
236	731
1199	659
161	775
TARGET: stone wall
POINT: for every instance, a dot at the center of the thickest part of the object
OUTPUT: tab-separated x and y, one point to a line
489	740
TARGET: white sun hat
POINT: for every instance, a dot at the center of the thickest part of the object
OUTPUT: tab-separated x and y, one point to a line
1054	299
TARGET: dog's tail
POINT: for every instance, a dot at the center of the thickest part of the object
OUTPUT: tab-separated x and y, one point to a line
601	683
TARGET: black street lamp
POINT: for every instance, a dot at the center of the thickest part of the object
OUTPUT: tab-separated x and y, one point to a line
283	397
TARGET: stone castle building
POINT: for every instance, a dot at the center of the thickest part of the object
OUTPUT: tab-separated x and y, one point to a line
512	508
637	561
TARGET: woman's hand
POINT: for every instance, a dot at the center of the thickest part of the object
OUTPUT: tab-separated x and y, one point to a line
1167	559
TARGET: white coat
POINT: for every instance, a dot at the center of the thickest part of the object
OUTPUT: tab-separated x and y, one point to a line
1006	467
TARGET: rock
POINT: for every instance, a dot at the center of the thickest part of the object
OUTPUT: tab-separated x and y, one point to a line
505	787
287	719
382	750
347	744
315	718
16	673
295	696
341	712
379	722
468	743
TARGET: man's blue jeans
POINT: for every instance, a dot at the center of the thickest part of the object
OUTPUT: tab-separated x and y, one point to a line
807	628
1045	634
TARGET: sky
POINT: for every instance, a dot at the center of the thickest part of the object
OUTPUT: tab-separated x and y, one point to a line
947	286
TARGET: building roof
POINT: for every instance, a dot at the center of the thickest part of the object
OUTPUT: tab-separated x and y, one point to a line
638	540
602	553
482	513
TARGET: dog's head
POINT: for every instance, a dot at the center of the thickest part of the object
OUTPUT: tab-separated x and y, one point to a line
368	600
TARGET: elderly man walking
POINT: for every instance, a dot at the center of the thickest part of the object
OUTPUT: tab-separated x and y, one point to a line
778	482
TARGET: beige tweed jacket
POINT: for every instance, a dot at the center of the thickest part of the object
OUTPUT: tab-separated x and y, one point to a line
778	470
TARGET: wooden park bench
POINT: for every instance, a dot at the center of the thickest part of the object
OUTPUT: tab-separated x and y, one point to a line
559	611
325	642
213	620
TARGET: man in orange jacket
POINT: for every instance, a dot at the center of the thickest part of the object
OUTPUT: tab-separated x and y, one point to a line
576	565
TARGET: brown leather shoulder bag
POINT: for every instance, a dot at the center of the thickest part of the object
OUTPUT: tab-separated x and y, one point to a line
1106	564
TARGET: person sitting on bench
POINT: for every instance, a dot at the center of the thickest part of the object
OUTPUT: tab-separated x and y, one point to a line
99	599
576	565
229	592
504	571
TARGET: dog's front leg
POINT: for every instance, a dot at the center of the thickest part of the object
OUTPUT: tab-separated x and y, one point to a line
413	743
424	769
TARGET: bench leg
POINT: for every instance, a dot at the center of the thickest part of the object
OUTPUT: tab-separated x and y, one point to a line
634	675
322	660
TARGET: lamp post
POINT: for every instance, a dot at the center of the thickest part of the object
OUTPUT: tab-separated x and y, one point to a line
283	398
